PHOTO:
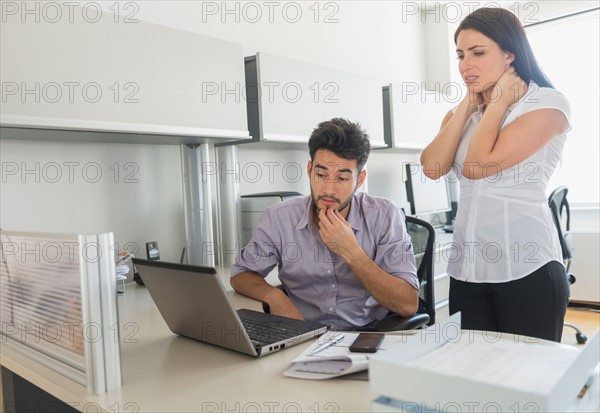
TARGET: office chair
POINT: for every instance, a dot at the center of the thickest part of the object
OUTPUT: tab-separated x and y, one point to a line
561	214
422	235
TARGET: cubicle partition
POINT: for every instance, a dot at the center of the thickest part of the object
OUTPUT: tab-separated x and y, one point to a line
58	304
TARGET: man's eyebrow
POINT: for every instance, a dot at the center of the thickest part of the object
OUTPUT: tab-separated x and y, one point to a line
341	170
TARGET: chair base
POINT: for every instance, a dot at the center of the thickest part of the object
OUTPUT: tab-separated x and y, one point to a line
579	336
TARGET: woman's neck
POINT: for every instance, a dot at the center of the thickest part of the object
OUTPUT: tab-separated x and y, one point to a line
488	95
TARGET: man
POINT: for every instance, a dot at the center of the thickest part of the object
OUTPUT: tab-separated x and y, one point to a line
345	259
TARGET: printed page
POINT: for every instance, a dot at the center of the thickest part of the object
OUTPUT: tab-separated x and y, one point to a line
501	362
336	360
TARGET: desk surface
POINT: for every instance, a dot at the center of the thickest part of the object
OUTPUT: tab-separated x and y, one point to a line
163	372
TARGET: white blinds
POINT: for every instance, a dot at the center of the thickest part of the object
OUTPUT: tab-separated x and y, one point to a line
57	297
41	293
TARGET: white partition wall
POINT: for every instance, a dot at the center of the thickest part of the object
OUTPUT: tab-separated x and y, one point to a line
58	304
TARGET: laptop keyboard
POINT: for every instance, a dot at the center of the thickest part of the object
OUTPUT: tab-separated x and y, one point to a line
267	333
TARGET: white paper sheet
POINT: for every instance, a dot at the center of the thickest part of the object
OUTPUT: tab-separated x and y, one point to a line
502	362
336	360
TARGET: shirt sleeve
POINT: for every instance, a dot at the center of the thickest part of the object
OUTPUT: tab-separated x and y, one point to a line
394	252
548	98
262	253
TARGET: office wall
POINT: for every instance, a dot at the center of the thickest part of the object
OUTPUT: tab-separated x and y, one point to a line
134	191
268	170
381	39
369	40
440	20
585	227
263	170
586	266
386	174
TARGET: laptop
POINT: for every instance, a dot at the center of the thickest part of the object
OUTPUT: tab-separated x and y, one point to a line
194	303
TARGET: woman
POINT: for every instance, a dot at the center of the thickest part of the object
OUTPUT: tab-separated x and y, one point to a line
504	140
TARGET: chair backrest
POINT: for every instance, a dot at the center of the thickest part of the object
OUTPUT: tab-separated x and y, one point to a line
422	235
561	214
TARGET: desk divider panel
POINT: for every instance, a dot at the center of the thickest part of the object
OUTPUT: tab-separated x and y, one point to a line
58	304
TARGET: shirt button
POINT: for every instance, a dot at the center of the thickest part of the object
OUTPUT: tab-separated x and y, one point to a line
328	271
331	309
332	285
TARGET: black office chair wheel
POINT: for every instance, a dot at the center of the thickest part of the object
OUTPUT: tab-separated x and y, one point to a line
581	338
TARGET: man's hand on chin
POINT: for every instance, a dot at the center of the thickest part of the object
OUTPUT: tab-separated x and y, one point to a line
337	233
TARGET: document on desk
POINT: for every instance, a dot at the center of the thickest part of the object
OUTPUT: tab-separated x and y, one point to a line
477	369
337	360
501	362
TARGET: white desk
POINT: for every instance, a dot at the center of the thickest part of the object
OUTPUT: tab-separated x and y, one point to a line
163	372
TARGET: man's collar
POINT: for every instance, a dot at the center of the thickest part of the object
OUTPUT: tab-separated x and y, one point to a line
303	222
355	217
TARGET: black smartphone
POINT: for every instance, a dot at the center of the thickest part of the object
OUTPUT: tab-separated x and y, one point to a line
367	342
152	252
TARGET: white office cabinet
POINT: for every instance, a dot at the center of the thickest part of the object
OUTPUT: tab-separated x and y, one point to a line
413	115
287	99
441	279
585	266
75	69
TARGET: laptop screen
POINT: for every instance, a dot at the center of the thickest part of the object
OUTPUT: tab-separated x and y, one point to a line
175	266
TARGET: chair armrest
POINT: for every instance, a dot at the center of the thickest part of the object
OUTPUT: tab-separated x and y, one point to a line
395	322
392	322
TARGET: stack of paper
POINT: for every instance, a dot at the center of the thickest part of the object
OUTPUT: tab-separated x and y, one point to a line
336	360
122	270
483	371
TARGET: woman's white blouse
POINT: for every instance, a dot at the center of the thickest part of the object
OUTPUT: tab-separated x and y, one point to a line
504	229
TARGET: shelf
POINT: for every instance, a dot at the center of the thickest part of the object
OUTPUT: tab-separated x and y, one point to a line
287	99
116	82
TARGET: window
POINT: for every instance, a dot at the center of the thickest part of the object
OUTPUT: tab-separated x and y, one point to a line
567	50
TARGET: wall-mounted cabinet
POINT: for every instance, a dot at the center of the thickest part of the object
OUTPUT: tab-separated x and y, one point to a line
412	115
287	99
80	75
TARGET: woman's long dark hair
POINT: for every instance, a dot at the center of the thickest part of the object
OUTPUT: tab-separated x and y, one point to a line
504	28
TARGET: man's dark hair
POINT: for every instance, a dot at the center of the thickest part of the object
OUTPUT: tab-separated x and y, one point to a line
504	28
342	137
